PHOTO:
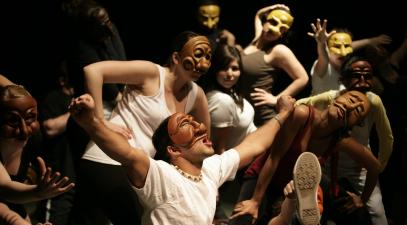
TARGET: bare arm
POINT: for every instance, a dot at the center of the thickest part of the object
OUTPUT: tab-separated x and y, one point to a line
375	41
114	145
321	37
50	184
287	208
367	160
9	217
257	142
138	73
55	126
282	57
278	149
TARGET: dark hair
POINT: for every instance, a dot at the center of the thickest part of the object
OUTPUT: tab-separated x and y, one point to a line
223	55
178	43
161	140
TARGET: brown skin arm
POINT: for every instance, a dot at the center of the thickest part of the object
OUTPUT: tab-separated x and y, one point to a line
365	157
259	141
278	149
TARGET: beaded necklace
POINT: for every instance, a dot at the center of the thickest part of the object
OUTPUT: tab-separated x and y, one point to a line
187	175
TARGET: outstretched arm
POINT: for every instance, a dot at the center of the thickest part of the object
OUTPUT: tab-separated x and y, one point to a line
257	142
374	41
321	37
142	74
113	144
50	184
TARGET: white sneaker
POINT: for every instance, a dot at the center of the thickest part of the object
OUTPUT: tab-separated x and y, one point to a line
307	175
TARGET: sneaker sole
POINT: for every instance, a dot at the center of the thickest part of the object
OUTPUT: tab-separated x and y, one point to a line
307	175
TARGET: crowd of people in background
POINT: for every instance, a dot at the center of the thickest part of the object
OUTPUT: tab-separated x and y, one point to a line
137	141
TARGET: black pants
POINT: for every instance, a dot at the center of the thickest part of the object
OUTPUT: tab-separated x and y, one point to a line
103	194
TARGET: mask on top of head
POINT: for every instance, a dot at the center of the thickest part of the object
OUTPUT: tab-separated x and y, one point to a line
208	16
279	21
340	44
196	54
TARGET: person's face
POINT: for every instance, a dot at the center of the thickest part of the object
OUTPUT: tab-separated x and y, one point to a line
186	133
361	78
278	22
18	118
229	76
340	44
208	16
350	108
196	55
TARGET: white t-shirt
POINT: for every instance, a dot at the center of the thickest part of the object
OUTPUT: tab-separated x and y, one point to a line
225	113
329	81
172	199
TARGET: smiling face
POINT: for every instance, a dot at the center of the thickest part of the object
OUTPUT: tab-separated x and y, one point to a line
18	118
228	77
196	55
350	108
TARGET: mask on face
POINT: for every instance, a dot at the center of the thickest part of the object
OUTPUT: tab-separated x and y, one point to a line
279	21
208	16
196	54
361	77
18	118
184	130
340	44
356	106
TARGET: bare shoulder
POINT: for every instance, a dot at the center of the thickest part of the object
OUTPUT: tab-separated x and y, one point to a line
280	49
300	114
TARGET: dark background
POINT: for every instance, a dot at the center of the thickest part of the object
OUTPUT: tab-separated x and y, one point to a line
33	37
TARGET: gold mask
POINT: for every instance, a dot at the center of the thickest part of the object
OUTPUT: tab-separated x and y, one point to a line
209	16
340	44
279	21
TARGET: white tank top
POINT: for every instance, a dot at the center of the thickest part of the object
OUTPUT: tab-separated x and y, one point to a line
142	115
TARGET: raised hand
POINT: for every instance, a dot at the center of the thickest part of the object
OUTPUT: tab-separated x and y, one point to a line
319	31
51	184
